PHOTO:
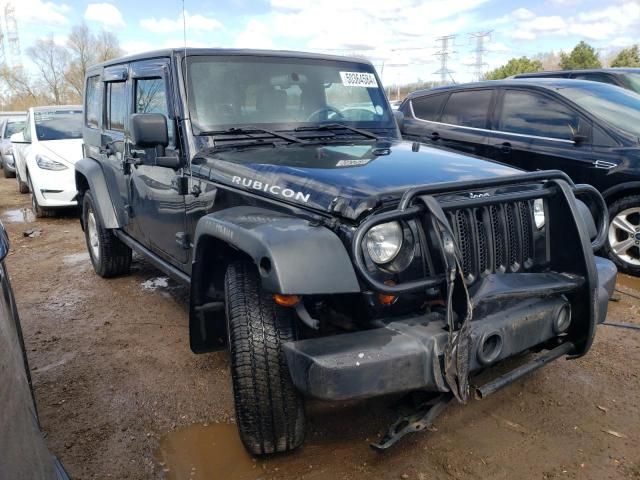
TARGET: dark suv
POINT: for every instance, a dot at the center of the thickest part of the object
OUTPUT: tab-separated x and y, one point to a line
589	130
333	259
628	78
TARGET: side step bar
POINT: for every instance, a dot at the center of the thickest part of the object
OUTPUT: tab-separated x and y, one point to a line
504	380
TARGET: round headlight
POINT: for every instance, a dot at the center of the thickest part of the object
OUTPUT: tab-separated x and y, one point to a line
538	213
384	242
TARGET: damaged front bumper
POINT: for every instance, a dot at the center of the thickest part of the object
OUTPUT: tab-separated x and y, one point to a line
407	353
556	309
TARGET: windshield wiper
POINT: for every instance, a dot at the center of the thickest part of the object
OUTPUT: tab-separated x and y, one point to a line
249	130
337	126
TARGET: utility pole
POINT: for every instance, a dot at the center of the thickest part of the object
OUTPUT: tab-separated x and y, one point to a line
444	55
479	64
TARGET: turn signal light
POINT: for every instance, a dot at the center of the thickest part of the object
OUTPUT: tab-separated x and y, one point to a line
387	299
286	300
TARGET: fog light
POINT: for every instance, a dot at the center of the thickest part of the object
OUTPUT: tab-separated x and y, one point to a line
562	319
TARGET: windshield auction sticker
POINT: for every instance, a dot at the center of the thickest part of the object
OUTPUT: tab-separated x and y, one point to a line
358	79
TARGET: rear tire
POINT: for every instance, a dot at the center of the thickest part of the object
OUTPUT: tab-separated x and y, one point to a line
269	410
38	211
22	186
109	256
623	241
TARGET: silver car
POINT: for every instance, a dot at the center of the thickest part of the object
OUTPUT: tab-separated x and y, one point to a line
8	127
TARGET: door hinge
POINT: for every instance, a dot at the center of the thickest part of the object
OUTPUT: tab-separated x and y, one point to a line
182	185
182	239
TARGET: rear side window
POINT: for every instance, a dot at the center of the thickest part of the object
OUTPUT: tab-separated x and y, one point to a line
533	114
468	108
428	107
93	102
116	105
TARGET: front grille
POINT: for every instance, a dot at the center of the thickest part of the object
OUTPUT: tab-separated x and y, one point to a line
494	239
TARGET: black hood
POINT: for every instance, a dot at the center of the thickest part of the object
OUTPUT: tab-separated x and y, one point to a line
338	178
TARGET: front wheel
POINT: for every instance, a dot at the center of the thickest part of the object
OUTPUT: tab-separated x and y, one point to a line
623	241
38	211
5	170
269	409
22	186
109	255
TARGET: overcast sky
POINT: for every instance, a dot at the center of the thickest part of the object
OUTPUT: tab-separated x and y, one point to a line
401	34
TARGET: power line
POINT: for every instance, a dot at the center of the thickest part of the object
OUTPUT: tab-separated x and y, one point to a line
444	55
479	63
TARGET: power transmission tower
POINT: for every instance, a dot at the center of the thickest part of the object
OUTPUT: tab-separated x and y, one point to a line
444	55
12	37
479	64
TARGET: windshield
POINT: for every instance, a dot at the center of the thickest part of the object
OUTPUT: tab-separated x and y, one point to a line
13	127
244	90
634	81
615	105
58	124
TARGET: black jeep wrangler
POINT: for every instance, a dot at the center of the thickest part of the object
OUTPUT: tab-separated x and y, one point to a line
331	258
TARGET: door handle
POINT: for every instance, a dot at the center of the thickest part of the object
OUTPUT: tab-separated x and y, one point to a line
435	136
504	147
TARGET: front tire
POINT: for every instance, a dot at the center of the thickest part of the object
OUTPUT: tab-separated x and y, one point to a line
269	409
5	170
109	256
22	186
38	211
623	242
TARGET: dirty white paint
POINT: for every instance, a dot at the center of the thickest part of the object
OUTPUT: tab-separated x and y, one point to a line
155	283
361	355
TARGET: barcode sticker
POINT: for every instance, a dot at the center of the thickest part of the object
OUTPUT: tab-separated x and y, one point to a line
358	79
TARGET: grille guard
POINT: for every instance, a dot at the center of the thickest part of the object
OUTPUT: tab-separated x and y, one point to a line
555	183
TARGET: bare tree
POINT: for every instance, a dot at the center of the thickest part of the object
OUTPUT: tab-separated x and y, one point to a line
81	45
52	61
107	46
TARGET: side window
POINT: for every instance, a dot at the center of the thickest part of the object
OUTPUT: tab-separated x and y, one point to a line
595	77
93	102
428	107
26	133
116	106
151	97
467	108
532	114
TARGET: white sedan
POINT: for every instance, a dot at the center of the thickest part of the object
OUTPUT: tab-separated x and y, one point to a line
45	153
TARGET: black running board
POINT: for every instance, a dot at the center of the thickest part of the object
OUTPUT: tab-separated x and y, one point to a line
157	261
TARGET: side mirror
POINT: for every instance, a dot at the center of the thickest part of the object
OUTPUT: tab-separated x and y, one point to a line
580	139
399	119
4	243
149	130
18	137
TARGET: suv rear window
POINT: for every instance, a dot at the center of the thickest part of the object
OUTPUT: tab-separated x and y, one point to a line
468	108
117	103
93	102
428	107
532	114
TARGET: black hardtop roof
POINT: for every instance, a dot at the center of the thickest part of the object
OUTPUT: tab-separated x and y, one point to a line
585	70
547	83
170	52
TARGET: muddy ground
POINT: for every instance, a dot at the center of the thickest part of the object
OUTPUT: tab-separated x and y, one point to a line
120	394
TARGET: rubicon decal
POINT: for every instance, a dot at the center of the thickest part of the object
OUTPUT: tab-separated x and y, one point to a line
273	189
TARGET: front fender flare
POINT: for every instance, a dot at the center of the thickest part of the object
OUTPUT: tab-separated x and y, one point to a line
92	171
292	256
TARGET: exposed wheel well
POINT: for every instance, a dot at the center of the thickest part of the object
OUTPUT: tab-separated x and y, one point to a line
632	190
208	327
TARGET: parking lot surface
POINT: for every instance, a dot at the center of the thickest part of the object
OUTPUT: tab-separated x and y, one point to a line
120	395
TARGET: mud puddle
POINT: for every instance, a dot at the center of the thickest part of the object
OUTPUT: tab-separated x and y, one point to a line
22	215
207	452
628	282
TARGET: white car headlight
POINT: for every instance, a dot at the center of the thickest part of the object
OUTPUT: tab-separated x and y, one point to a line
538	213
48	164
384	242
